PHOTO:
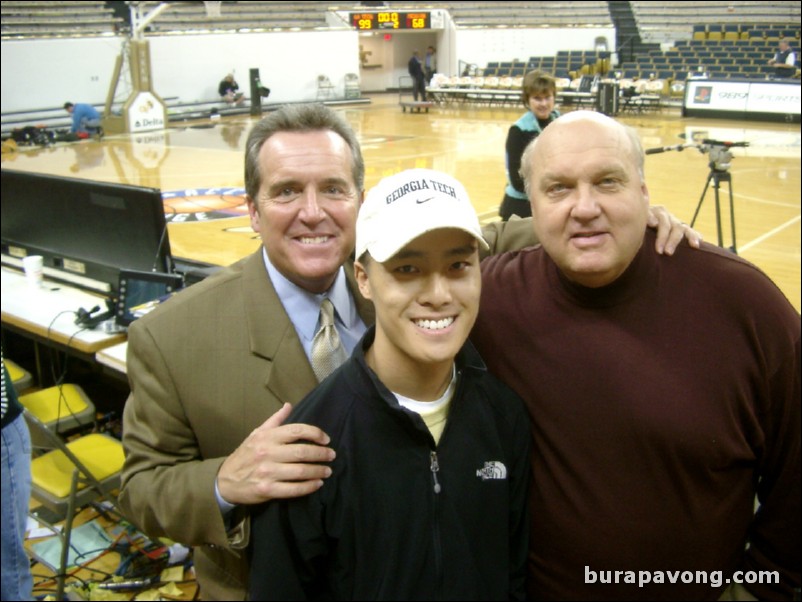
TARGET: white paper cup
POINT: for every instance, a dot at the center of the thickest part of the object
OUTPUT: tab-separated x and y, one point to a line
33	270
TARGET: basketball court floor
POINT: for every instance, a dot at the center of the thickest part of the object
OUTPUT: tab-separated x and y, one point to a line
199	168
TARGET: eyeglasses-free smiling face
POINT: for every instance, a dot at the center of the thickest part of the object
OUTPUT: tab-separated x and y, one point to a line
305	211
426	298
589	201
541	105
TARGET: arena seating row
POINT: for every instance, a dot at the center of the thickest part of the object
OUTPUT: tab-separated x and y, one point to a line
737	58
718	58
68	18
734	32
669	20
80	17
255	15
636	95
746	58
527	14
566	63
733	11
237	16
475	90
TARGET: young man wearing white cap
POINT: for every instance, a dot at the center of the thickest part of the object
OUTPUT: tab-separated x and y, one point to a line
427	499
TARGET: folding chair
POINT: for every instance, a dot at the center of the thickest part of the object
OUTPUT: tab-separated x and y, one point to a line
62	408
585	83
352	86
70	476
325	89
20	377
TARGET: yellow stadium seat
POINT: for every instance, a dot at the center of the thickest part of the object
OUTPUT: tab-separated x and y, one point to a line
62	408
71	475
20	377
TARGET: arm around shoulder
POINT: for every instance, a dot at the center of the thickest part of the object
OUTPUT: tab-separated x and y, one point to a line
512	235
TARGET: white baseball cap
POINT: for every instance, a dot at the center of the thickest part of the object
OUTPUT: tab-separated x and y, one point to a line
403	206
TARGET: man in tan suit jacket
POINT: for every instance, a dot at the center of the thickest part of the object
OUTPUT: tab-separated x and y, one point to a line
215	364
212	369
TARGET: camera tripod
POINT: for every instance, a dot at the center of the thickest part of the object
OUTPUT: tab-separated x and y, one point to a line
717	177
720	159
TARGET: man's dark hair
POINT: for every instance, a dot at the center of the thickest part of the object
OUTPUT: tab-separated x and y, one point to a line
68	105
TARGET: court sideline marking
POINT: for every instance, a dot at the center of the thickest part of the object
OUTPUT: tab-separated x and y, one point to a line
769	234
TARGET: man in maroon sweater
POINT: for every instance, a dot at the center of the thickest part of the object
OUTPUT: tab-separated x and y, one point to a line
664	394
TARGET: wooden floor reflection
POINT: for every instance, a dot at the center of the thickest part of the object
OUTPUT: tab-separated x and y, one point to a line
202	163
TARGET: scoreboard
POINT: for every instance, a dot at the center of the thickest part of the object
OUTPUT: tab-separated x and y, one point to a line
391	20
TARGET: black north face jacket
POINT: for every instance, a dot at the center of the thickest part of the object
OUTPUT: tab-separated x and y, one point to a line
402	518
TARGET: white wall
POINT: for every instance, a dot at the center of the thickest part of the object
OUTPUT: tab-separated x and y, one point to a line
289	63
393	55
46	73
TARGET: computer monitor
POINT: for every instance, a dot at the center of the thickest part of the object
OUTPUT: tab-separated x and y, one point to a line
141	292
86	231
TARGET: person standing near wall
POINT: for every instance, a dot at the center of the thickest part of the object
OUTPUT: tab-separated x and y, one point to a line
429	64
415	68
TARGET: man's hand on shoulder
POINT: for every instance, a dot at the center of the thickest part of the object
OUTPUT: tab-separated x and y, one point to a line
671	231
276	461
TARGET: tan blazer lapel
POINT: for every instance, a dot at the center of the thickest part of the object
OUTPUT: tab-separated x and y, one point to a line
272	336
288	374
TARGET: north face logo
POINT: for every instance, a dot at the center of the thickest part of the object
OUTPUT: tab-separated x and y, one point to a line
492	470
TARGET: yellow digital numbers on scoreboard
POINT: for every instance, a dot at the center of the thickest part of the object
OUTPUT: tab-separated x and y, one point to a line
390	20
387	20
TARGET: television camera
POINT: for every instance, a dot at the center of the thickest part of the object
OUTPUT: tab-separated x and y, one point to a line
720	153
720	159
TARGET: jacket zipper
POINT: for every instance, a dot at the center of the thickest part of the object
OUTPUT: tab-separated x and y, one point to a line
434	467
